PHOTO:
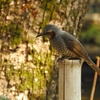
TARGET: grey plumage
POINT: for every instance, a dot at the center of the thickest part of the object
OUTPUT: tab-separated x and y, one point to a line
66	44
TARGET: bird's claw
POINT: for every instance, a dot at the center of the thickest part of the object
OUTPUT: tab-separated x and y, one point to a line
62	58
67	57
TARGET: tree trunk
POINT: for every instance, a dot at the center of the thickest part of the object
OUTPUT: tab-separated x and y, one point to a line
26	67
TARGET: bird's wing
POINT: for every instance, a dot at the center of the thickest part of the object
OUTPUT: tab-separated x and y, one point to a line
74	45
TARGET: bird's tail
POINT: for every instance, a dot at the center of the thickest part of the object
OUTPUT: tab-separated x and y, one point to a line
93	65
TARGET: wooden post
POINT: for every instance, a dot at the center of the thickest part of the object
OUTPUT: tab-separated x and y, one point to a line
69	79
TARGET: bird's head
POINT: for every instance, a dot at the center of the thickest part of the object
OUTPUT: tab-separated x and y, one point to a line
49	31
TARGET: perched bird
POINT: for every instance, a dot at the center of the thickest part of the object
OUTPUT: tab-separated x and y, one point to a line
67	45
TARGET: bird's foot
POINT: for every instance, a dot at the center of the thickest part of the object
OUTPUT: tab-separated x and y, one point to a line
74	58
62	58
67	57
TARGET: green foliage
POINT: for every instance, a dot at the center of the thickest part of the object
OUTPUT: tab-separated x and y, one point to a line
49	11
4	3
4	98
29	76
13	32
92	34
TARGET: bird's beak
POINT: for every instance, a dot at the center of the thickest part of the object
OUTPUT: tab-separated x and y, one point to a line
41	34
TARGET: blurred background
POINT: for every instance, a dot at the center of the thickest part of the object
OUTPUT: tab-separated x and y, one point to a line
27	70
90	37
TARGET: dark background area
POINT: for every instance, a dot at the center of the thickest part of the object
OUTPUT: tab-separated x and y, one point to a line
87	81
90	38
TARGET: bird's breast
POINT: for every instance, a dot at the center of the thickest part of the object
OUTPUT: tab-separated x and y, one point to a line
59	45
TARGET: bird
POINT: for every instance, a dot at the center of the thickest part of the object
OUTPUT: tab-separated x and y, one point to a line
66	44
